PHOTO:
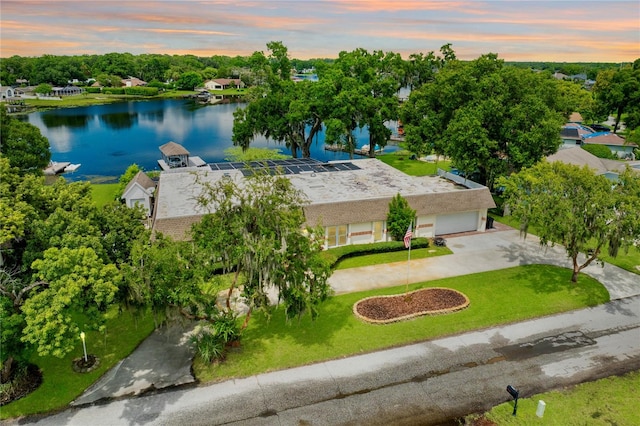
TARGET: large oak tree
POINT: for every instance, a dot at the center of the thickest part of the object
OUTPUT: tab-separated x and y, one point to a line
572	206
487	117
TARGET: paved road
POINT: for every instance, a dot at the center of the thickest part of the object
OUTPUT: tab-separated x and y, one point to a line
424	383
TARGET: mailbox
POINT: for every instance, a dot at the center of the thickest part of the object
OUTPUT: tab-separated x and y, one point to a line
512	391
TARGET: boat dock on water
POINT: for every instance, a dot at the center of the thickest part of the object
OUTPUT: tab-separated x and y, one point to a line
364	151
58	167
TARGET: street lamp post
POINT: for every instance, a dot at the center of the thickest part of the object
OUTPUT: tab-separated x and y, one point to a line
84	346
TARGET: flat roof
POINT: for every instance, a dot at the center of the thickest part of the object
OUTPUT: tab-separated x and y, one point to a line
370	179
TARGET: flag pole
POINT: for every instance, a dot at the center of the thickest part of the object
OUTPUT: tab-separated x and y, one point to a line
408	236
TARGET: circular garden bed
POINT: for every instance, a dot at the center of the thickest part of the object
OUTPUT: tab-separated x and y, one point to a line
399	307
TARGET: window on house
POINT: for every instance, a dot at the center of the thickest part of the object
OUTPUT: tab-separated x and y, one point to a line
336	235
378	227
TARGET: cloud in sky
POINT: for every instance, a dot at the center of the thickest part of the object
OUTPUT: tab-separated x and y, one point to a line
571	31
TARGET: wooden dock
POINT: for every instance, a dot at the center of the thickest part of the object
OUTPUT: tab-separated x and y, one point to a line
357	151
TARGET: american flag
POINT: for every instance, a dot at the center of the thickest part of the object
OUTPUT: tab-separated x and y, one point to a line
407	237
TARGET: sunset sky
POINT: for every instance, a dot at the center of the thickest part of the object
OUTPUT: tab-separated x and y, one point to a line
554	31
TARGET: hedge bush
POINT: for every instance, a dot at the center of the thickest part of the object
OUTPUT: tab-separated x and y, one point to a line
599	151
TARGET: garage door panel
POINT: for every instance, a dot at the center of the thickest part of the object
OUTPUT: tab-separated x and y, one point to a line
456	222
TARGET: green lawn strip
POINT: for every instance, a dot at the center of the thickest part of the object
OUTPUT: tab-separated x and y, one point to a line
401	161
395	256
102	98
104	193
609	401
628	260
61	385
497	297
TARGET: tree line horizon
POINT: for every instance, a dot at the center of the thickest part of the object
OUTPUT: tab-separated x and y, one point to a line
60	69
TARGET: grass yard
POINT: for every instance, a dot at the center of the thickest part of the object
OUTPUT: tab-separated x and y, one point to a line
61	385
104	193
401	161
609	401
102	98
273	344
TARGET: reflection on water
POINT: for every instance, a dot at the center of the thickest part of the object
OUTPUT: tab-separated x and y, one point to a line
106	139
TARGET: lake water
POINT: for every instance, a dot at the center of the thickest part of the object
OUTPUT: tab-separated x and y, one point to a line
106	139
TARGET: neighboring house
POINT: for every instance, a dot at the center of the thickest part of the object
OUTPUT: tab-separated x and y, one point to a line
575	117
580	157
578	77
7	92
223	83
572	134
349	199
133	82
617	144
67	90
140	192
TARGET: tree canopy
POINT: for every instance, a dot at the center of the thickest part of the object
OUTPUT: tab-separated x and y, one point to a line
572	206
489	118
617	91
60	259
23	144
264	240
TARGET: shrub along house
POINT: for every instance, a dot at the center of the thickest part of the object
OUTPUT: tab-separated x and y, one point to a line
349	199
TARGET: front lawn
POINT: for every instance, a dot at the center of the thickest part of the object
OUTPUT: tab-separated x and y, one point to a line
390	257
497	297
61	385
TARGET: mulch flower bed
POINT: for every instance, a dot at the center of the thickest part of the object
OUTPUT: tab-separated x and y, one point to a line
25	382
399	307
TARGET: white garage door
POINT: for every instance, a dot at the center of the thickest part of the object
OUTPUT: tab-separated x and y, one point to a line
456	222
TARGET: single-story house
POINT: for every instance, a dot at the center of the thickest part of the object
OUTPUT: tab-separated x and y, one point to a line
572	134
7	92
349	199
67	90
580	157
139	191
223	83
133	82
616	144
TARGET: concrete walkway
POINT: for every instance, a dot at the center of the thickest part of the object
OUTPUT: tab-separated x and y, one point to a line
165	358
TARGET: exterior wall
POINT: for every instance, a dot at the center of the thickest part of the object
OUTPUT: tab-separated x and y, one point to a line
425	226
212	85
361	233
621	151
135	195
